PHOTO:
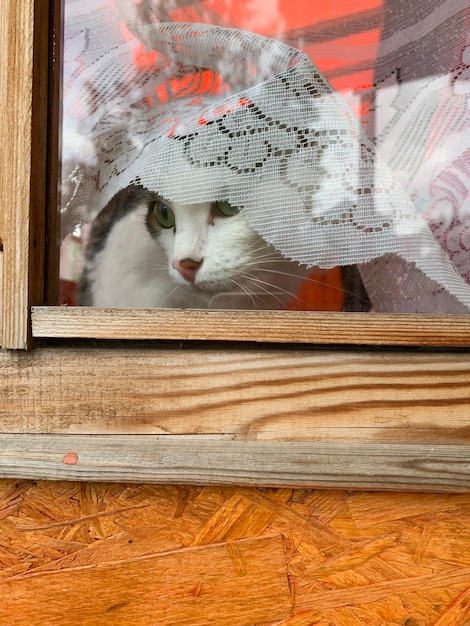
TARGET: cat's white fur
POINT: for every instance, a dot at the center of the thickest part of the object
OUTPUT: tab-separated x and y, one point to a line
238	269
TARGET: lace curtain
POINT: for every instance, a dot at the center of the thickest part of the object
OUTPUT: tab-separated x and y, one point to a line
182	98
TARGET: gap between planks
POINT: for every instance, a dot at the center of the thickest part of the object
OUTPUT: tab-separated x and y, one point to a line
261	326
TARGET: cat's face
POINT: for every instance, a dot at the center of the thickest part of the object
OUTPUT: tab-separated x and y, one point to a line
211	248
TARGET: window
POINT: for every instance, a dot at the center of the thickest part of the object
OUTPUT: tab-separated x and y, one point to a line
172	409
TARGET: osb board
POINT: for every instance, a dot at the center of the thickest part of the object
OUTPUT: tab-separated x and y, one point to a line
77	553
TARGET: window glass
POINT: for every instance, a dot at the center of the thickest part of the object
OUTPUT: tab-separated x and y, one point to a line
266	154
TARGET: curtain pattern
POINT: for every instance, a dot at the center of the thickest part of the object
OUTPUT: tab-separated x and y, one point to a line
236	102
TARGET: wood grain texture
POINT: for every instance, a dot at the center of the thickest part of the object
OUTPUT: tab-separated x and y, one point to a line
23	127
262	326
252	416
210	460
248	394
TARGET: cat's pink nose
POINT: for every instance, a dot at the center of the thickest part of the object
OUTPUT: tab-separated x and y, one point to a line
188	268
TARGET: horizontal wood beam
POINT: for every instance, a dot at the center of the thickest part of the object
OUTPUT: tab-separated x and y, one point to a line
248	393
262	326
384	419
205	460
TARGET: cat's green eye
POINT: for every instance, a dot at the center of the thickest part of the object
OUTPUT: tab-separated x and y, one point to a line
164	215
226	209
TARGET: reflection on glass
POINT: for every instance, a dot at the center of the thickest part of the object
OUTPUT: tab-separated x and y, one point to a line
207	166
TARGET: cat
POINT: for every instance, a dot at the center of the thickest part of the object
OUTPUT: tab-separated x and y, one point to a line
147	252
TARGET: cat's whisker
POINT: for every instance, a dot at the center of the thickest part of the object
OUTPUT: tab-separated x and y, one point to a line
268	255
164	297
314	281
244	289
254	296
258	247
161	267
270	288
169	295
268	250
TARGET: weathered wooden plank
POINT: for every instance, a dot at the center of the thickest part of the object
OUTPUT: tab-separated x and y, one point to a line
23	128
253	394
376	420
266	326
217	584
209	460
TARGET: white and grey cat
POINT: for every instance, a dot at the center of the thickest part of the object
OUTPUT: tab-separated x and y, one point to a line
145	251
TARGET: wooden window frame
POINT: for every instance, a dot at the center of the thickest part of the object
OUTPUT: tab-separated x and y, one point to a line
269	398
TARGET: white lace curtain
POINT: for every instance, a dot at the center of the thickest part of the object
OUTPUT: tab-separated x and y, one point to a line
175	96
